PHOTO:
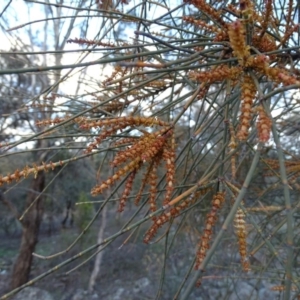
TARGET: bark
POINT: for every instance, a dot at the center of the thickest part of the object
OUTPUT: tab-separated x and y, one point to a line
64	221
31	225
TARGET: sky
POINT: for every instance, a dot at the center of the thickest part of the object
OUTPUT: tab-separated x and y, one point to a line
20	13
32	37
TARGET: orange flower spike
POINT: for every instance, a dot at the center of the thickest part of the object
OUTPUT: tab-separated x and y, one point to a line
144	182
208	9
282	288
288	17
164	218
98	189
54	121
17	175
136	150
153	189
127	190
201	24
232	146
236	11
169	158
237	36
8	178
260	62
142	64
27	171
118	124
233	8
280	75
264	125
156	146
247	95
288	34
247	10
211	218
267	15
239	223
287	79
217	74
233	166
125	141
265	44
117	69
104	134
114	106
128	121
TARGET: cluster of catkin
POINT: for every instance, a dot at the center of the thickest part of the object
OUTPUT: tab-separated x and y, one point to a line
153	148
237	38
292	170
150	148
248	31
214	14
113	125
172	213
292	166
164	218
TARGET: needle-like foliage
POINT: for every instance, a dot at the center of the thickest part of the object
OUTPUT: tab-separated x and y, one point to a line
191	111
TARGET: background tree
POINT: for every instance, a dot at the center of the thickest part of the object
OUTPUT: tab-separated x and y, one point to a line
23	107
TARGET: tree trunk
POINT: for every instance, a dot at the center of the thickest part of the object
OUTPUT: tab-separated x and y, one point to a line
31	225
99	256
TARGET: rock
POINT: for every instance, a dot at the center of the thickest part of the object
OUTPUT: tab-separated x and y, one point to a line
33	293
119	294
81	294
243	290
266	294
141	285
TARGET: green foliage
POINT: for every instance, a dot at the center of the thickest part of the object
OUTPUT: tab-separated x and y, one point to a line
84	212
